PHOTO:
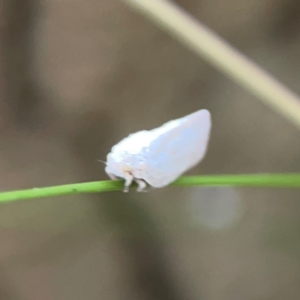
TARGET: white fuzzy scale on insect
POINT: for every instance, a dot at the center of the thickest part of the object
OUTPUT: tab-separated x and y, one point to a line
159	156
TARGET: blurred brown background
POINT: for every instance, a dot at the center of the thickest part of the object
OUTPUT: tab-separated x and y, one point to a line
75	78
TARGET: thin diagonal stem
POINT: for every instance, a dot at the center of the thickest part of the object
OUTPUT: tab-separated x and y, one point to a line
196	36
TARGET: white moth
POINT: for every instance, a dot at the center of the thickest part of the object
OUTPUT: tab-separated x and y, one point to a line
159	156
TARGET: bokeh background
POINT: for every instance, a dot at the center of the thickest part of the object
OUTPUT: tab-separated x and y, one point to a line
76	77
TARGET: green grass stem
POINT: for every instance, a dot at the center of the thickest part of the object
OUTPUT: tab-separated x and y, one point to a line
243	180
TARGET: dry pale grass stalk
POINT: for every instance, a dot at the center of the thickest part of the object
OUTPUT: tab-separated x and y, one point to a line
222	55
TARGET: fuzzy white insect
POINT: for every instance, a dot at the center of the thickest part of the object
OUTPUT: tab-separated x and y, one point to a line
159	156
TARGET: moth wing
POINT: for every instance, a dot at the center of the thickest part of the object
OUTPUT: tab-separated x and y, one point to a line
176	147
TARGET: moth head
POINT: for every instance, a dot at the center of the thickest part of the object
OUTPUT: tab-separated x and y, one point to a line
117	167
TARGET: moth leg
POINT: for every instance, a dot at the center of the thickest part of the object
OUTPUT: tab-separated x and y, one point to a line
128	181
141	185
112	176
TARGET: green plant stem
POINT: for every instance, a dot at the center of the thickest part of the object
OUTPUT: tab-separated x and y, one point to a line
248	180
196	36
